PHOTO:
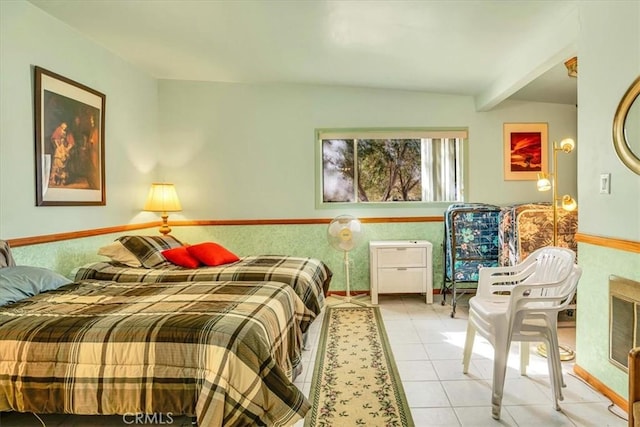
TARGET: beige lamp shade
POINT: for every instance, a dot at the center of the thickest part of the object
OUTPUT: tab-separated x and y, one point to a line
162	198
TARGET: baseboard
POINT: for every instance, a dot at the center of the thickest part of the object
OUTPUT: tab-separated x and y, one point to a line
618	400
344	293
355	293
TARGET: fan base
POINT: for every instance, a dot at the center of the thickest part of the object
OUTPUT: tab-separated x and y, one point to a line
348	299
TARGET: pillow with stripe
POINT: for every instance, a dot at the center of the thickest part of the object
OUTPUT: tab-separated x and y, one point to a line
148	249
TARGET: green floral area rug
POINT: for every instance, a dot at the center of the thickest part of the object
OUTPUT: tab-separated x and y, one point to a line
355	380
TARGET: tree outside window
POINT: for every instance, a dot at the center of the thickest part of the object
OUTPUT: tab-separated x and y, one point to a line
391	166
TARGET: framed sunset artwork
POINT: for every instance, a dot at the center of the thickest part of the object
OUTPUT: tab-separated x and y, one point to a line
525	151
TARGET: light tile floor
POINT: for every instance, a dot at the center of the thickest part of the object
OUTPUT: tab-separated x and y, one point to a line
427	345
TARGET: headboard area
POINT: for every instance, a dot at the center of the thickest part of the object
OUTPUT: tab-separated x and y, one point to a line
6	259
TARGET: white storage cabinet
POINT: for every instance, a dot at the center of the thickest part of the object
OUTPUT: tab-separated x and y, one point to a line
401	266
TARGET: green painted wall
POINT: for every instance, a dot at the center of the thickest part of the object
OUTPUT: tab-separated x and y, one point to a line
298	240
592	339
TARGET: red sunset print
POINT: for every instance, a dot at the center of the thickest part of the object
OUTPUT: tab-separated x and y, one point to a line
526	152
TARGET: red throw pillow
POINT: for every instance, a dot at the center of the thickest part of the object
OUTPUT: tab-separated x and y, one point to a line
180	256
212	254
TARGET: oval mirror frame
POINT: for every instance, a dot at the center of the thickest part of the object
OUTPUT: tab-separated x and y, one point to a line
620	143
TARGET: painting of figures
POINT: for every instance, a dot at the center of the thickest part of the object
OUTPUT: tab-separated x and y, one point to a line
69	142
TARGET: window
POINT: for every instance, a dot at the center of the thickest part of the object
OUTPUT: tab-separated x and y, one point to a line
372	166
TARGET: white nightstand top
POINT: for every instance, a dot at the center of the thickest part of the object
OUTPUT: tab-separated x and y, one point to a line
396	243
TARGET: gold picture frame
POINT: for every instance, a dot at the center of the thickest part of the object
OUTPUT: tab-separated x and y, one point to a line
526	150
69	142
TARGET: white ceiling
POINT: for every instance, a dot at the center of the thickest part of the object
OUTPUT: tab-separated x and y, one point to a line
489	49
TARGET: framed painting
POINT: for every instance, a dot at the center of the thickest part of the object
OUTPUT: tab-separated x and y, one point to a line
69	133
525	150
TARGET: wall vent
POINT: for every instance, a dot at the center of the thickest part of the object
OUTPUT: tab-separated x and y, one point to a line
624	319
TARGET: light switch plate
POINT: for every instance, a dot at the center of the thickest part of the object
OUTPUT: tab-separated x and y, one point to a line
605	183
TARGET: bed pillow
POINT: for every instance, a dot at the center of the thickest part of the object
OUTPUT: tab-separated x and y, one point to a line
118	253
212	254
21	281
181	256
6	259
148	249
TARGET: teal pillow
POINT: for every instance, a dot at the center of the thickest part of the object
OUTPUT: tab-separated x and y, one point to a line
21	281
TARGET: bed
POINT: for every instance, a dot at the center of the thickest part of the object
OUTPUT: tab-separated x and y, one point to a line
470	242
309	277
225	353
526	227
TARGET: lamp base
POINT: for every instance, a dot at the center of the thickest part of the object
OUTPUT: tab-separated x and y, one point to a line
164	228
565	352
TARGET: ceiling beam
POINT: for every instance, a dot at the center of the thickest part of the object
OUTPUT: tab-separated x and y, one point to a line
547	46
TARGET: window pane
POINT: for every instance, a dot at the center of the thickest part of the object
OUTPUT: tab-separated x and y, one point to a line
338	170
441	171
389	170
387	166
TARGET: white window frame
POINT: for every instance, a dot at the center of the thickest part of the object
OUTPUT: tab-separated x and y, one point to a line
392	133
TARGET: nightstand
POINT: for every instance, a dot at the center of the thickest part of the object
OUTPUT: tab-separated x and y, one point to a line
401	266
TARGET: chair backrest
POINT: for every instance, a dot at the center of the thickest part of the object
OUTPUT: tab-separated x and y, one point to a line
554	298
550	265
551	284
527	309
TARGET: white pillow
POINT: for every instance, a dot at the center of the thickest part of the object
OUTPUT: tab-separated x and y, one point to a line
117	252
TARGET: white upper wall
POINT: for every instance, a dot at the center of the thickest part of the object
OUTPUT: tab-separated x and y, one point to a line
30	37
609	58
235	151
240	151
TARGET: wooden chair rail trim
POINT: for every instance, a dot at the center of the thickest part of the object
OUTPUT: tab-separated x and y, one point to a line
34	240
618	400
609	242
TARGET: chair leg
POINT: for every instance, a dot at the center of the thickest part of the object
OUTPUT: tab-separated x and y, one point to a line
524	357
468	346
553	328
554	376
499	372
555	366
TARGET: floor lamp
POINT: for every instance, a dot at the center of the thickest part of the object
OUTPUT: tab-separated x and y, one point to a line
549	181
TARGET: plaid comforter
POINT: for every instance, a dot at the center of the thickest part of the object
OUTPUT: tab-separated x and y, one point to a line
309	277
223	352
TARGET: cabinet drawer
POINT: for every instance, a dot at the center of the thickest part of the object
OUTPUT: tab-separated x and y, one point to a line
402	257
401	280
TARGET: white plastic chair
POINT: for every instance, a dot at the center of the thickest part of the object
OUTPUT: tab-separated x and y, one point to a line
521	303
